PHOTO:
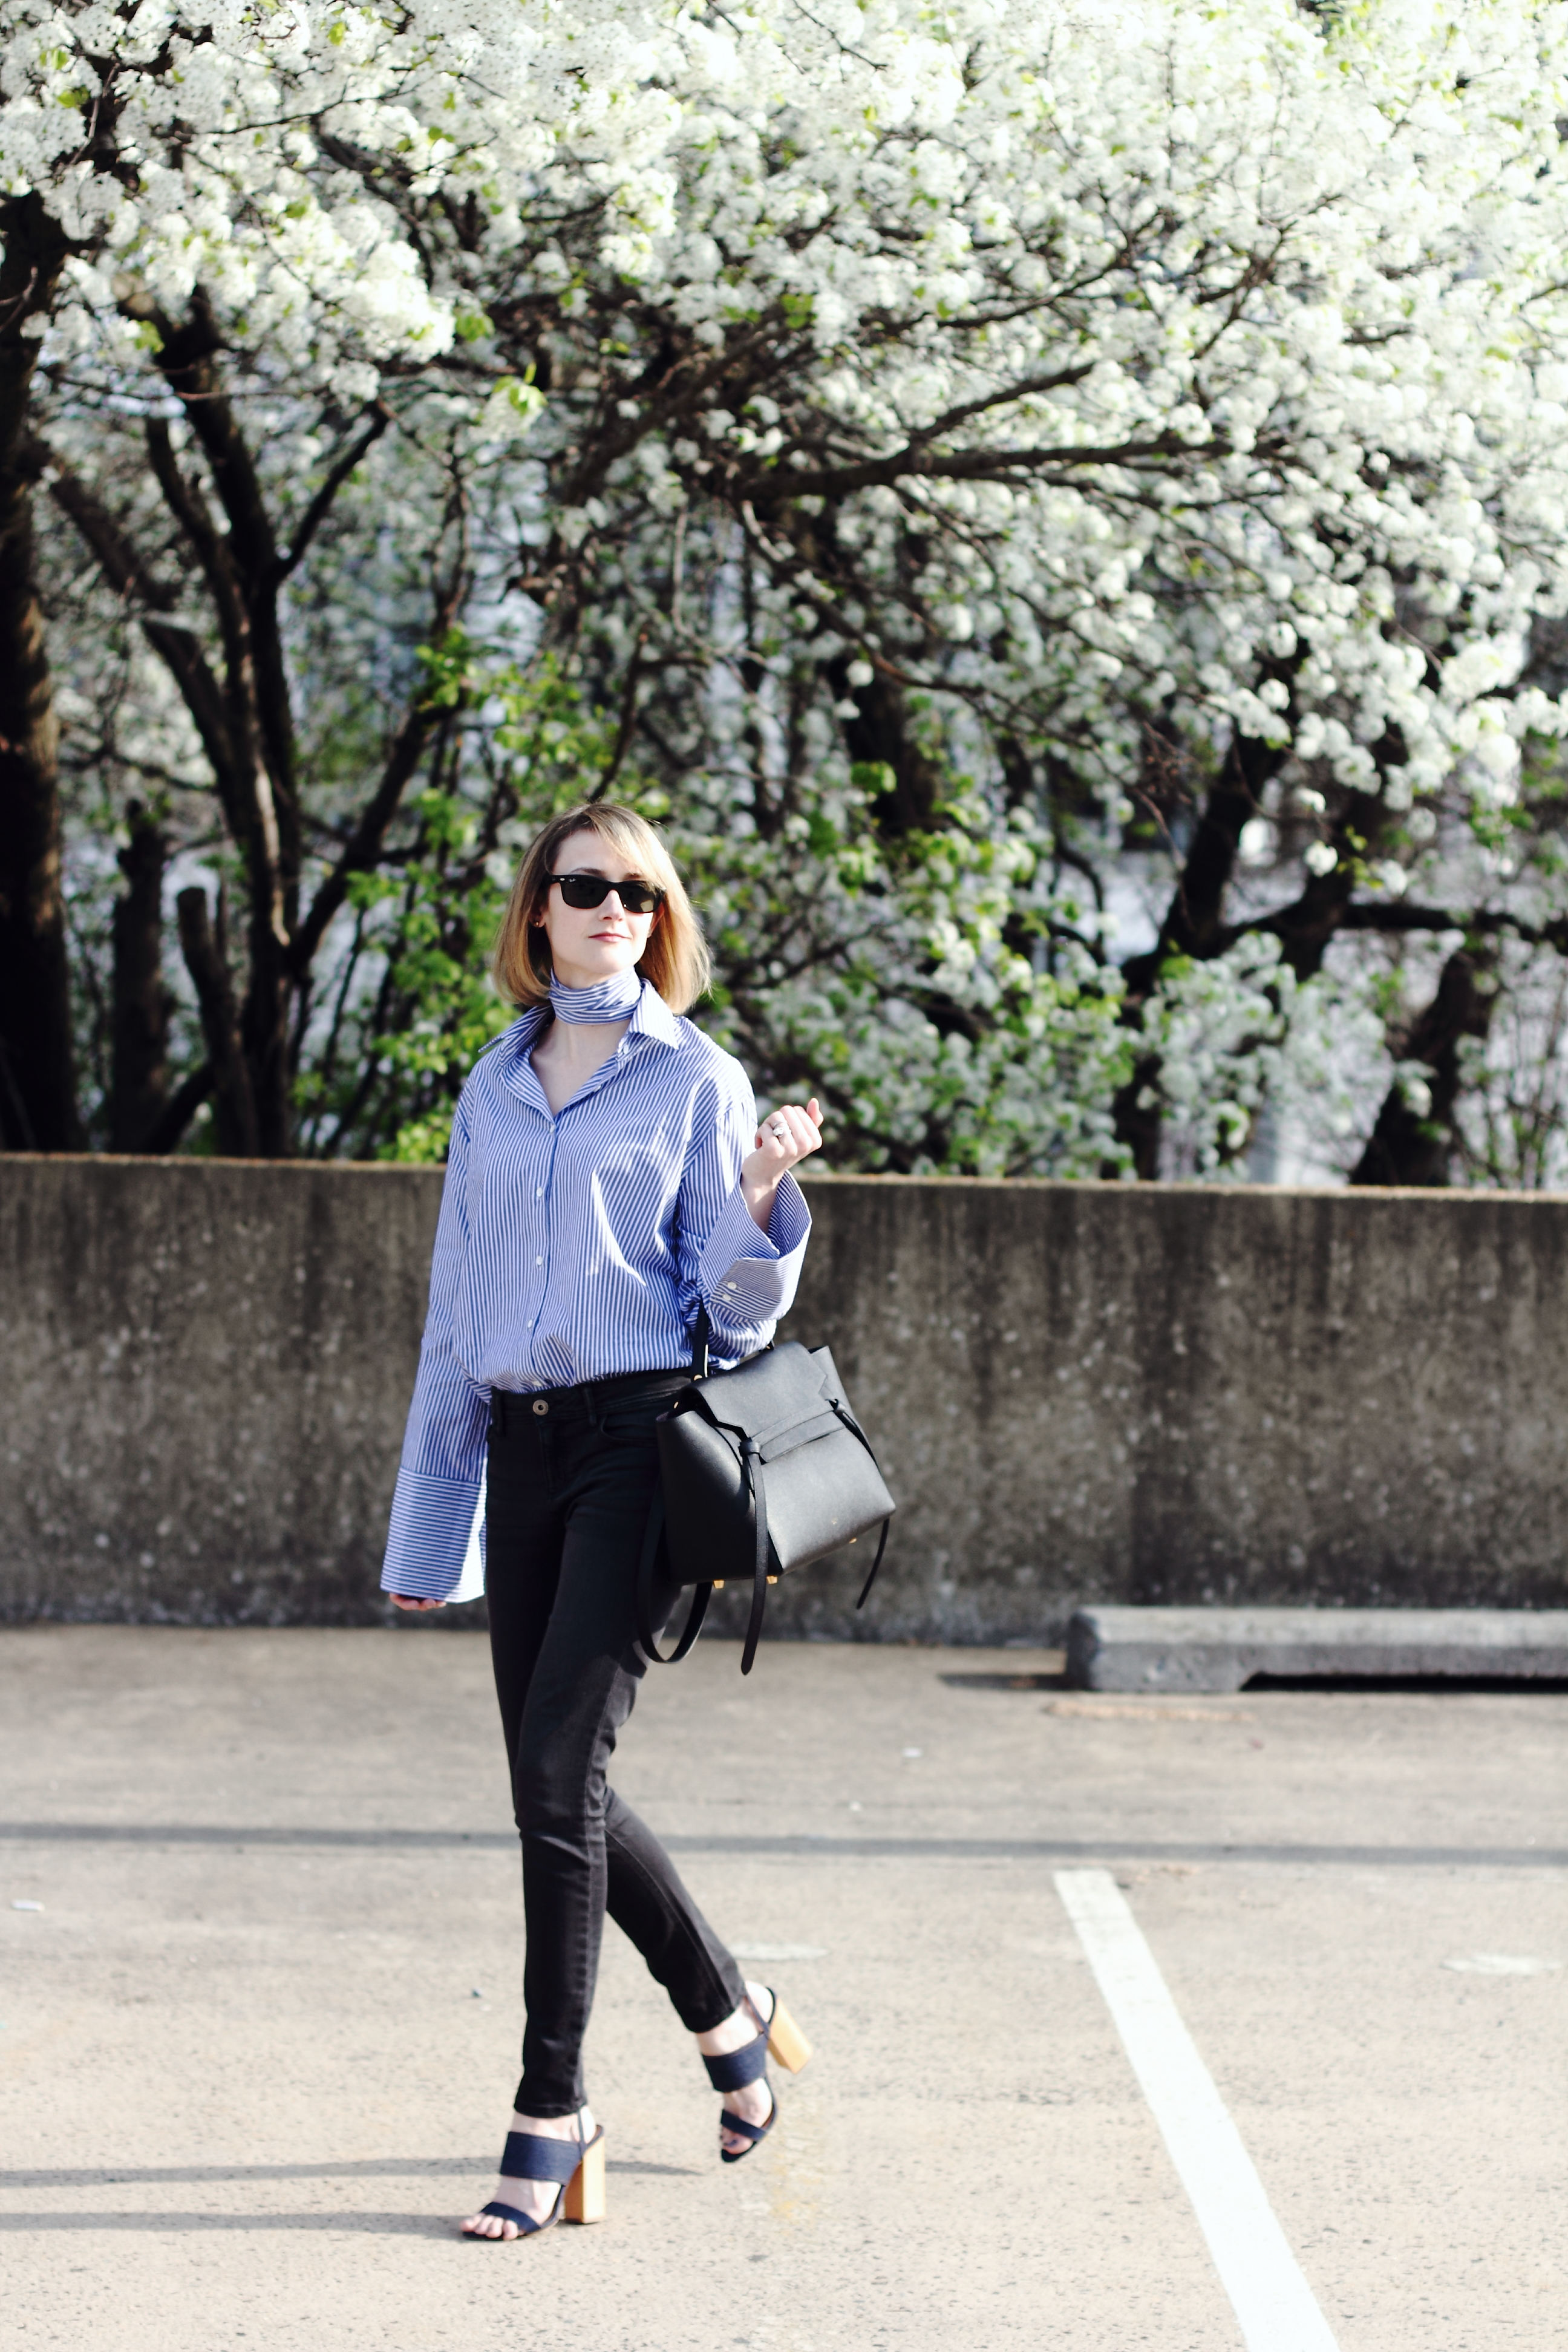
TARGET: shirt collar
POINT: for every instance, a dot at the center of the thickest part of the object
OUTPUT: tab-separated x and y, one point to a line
653	1018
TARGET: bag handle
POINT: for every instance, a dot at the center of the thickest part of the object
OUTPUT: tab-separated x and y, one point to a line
652	1537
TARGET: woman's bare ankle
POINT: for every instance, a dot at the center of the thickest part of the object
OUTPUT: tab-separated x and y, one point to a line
741	2025
553	2126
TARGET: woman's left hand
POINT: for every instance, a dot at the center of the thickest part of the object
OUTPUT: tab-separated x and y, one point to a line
787	1136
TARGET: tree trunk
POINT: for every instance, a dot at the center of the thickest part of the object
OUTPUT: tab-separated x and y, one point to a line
1136	1121
37	1064
238	1133
242	567
139	1043
1411	1146
879	736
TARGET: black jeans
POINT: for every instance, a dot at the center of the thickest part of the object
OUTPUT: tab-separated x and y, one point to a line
571	1473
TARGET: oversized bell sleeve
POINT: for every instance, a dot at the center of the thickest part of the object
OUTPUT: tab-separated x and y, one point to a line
745	1278
443	1464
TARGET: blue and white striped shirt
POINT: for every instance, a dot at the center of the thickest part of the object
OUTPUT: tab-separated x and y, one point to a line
574	1246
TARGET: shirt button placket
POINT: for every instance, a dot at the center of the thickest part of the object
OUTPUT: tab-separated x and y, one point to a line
541	1193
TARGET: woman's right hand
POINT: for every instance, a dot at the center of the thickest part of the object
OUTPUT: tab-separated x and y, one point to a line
402	1600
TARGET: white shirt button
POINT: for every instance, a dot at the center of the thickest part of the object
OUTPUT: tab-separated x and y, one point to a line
732	1285
539	1261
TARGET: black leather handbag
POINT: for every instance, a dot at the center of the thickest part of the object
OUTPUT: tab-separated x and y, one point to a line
762	1470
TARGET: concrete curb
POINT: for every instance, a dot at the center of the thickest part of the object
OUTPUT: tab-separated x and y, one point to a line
1123	1649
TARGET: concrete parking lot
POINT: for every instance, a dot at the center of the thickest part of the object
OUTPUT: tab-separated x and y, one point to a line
257	2044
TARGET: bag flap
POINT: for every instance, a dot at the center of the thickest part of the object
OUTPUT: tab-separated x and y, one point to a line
772	1393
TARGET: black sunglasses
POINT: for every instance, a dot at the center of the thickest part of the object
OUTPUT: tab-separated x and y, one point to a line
592	890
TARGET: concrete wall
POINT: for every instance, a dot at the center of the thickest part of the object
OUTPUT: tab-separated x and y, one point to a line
1117	1393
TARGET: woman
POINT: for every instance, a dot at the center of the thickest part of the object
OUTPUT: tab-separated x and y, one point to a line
606	1179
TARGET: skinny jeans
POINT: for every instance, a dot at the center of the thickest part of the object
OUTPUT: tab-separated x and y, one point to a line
570	1475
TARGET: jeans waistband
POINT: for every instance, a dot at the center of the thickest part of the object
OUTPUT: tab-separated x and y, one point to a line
515	1410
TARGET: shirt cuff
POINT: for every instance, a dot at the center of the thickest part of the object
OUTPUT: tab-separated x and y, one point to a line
750	1276
432	1520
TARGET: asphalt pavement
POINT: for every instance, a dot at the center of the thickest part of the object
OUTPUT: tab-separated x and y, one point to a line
259	1961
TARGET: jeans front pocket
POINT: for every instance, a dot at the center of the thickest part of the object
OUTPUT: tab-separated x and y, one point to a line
633	1423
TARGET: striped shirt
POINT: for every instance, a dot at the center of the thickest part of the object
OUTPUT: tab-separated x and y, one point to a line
575	1246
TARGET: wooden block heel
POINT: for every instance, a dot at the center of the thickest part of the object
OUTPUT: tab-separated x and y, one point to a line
584	2198
786	2043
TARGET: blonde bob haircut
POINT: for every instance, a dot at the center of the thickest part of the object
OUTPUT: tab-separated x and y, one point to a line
675	957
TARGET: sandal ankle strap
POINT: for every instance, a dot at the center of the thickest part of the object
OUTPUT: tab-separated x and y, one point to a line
736	2068
529	2155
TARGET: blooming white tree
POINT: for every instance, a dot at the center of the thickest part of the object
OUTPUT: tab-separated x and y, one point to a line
183	208
1155	414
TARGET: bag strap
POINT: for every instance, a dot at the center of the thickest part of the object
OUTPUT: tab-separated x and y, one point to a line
701	1332
851	1423
653	1535
876	1564
754	1462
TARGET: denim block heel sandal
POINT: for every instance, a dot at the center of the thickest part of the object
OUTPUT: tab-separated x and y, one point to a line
779	2038
578	2165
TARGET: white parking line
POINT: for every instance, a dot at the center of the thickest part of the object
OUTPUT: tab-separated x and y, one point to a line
1272	2300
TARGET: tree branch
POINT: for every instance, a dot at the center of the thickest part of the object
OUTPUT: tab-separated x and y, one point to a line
320	504
117	558
175	642
914	462
952	417
188	353
177	1114
627	722
188	356
361	852
187	506
1398	915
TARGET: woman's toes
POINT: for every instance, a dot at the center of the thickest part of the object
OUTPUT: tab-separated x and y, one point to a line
754	2104
489	2225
